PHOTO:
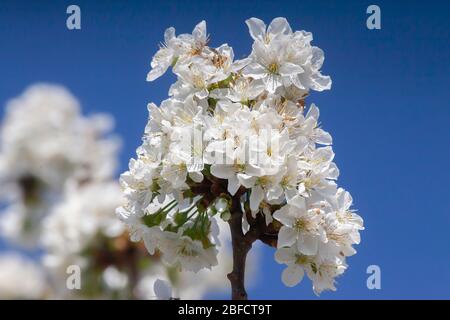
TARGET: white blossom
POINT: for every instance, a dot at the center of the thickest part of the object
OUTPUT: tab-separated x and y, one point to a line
21	278
44	135
238	131
283	58
45	142
76	222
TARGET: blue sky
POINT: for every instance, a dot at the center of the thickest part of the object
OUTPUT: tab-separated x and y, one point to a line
388	110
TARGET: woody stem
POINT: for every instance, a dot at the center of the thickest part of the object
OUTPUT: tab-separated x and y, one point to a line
241	247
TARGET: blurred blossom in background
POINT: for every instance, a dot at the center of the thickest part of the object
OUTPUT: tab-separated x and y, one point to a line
58	197
46	147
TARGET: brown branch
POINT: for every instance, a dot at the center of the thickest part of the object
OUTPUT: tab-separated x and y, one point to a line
212	188
259	230
241	247
242	243
269	239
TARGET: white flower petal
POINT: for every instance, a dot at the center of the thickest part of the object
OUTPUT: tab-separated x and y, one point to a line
162	289
202	94
222	171
155	73
285	255
278	26
254	70
320	82
298	201
169	34
256	196
309	245
292	275
199	32
287	69
283	215
257	28
274	193
233	185
246	180
323	137
286	237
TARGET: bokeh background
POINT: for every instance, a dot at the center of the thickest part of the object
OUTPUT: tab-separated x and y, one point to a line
388	110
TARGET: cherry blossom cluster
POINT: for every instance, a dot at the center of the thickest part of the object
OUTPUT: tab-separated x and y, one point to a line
44	143
239	129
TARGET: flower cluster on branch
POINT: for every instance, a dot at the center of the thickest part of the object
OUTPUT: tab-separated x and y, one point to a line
236	131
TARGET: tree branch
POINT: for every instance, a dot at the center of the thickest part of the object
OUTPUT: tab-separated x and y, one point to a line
269	239
241	247
242	243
